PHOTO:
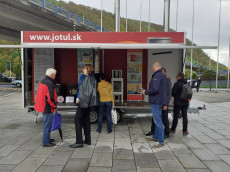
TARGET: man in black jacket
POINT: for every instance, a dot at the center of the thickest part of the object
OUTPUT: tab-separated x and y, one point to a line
165	119
158	99
179	104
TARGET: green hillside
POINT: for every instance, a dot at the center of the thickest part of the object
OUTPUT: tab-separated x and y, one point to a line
94	15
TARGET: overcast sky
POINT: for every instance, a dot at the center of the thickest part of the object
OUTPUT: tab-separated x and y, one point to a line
205	25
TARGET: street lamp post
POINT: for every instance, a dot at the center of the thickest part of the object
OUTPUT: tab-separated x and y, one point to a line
117	15
101	14
149	17
10	68
177	14
192	43
6	69
228	66
126	16
140	15
218	50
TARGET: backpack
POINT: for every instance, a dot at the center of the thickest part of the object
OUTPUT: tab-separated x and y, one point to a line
186	93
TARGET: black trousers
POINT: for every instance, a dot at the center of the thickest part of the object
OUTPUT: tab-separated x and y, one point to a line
165	121
183	109
82	121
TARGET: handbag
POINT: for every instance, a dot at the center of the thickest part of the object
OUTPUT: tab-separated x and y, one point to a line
113	111
114	116
56	124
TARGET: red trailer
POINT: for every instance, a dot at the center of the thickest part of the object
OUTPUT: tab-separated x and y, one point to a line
123	56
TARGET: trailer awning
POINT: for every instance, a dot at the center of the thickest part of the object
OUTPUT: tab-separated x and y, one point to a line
108	46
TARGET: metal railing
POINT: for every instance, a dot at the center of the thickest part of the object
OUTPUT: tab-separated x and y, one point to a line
223	72
68	15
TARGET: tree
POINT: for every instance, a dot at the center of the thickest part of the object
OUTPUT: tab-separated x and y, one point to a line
187	74
7	73
17	66
209	75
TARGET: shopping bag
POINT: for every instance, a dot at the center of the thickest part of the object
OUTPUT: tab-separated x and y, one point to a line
114	116
56	124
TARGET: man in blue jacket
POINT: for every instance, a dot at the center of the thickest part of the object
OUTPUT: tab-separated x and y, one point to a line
157	98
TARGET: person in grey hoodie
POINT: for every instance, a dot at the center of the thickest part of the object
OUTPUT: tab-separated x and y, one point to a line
88	98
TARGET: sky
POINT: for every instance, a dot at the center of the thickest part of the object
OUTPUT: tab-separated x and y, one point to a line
206	21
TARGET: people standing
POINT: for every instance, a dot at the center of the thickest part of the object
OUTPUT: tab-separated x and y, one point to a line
81	79
179	104
158	99
88	98
106	103
198	84
165	119
46	103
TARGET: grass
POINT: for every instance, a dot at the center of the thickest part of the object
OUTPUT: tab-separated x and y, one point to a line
5	83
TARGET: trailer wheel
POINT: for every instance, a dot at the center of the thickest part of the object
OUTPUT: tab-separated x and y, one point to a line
93	116
119	115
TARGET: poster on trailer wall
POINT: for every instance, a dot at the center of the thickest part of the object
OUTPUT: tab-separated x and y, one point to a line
43	59
84	56
134	75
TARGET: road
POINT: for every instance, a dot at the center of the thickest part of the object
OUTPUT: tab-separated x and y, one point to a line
7	86
212	97
8	89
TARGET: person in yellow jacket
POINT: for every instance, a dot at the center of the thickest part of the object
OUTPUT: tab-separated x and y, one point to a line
106	103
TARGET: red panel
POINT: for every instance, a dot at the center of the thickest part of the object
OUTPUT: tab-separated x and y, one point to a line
97	37
66	66
135	97
115	60
145	69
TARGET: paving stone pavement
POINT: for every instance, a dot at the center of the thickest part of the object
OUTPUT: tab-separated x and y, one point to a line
205	149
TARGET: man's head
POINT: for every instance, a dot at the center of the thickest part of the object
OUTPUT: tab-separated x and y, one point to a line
164	71
156	66
180	75
102	77
87	69
92	68
50	72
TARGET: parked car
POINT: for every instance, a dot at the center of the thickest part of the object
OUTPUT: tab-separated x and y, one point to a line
4	78
17	82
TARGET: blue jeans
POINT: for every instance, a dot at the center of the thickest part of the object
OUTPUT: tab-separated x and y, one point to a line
48	119
159	128
107	108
